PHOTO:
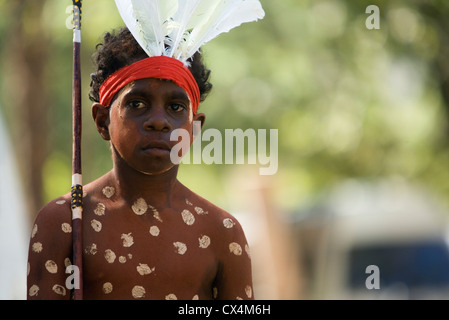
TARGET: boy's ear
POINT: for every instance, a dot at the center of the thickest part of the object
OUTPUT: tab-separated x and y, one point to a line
101	117
200	117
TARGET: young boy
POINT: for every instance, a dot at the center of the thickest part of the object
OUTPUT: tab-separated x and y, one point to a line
145	235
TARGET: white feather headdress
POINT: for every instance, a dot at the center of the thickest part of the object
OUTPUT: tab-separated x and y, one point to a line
178	28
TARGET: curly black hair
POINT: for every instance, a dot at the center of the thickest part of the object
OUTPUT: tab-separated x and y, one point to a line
120	49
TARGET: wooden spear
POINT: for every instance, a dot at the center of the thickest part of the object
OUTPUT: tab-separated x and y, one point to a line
77	186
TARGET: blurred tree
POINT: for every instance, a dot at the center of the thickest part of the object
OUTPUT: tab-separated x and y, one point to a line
24	60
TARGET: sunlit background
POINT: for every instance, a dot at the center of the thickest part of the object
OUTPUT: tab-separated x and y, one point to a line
363	150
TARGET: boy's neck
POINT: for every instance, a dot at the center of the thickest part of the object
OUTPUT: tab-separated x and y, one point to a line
156	189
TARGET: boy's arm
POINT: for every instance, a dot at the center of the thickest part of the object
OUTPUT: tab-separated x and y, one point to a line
50	252
234	279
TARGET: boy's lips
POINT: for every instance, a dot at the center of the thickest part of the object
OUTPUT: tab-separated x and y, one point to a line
157	147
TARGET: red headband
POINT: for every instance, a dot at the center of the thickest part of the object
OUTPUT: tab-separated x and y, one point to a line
159	67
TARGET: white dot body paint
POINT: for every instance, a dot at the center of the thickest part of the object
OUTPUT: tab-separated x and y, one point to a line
108	191
91	249
249	291
156	214
228	223
204	241
195	297
58	289
235	248
171	296
34	289
107	287
188	202
66	227
67	262
200	211
51	266
180	247
248	251
109	255
144	269
37	247
188	217
60	202
128	240
100	209
34	231
138	292
154	231
96	225
122	259
140	206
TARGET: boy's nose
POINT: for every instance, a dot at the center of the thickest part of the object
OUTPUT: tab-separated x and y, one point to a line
157	120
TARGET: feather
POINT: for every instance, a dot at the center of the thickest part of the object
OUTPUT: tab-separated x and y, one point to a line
178	28
148	21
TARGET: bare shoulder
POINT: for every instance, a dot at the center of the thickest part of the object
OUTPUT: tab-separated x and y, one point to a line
54	213
225	225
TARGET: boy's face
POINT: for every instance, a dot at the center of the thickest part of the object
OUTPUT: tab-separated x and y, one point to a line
140	121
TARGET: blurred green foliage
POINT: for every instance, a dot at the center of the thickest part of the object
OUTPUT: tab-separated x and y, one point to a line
348	102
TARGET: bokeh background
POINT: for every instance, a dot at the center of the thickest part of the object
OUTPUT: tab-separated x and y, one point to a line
362	117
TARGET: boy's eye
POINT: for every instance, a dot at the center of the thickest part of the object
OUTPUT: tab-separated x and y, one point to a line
136	104
177	107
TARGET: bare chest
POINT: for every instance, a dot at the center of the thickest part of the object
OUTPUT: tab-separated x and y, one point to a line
139	253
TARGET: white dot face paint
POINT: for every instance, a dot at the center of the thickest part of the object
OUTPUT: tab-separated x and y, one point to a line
108	191
100	209
51	266
60	202
235	248
154	231
33	291
34	231
107	287
204	241
180	247
249	291
171	296
128	240
144	269
66	228
96	225
140	206
58	289
228	223
188	217
37	247
138	292
91	249
109	255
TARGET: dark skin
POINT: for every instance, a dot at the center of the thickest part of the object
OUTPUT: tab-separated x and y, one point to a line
145	235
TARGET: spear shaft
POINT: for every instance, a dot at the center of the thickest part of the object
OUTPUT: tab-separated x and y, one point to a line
77	186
